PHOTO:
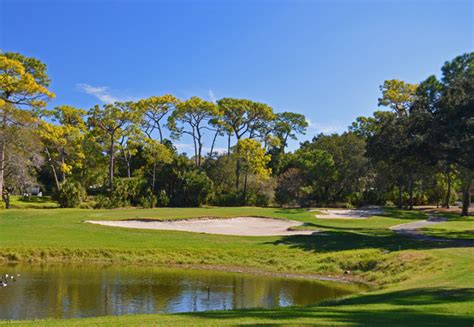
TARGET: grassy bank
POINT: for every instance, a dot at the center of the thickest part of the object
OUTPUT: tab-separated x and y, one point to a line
432	281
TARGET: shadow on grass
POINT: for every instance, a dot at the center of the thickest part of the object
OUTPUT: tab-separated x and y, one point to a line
355	312
451	235
338	240
417	296
403	214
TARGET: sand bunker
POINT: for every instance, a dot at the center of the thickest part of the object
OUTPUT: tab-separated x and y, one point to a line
348	213
245	226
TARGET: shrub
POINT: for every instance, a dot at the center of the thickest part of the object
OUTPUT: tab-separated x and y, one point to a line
230	199
125	192
162	200
102	201
70	195
148	200
193	189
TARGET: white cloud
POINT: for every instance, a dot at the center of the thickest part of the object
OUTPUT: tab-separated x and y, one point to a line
325	128
212	96
100	92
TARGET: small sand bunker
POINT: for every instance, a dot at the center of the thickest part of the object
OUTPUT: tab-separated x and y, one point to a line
244	226
348	213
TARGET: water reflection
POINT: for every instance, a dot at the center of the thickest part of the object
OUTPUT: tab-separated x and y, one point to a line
66	291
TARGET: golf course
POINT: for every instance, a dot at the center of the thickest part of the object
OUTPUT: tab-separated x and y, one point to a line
408	281
236	163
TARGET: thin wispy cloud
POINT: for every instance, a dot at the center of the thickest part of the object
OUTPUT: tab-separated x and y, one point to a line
212	96
325	128
103	93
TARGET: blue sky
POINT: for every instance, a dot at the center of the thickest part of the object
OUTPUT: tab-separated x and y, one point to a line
325	59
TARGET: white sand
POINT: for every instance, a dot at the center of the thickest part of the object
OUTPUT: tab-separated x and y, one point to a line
245	226
348	213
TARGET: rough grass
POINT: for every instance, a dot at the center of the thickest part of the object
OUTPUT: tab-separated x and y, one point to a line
32	202
418	281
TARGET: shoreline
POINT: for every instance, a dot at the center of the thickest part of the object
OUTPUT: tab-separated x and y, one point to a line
218	268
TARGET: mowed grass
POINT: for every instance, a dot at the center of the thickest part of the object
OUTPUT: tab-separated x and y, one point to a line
414	282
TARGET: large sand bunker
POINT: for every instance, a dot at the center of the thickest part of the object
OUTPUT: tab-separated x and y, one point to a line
245	226
348	213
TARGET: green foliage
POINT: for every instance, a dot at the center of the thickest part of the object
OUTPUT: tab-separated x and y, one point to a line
193	189
245	117
398	95
403	155
124	193
163	199
251	154
193	113
148	200
70	195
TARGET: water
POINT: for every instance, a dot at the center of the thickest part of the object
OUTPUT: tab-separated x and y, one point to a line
67	291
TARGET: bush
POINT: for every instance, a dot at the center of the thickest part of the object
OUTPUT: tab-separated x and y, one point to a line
163	199
71	194
355	199
193	189
228	199
148	200
125	192
103	201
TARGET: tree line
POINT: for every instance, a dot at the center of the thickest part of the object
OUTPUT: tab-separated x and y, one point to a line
419	150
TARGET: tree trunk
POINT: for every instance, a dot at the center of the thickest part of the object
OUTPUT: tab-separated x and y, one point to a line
213	143
411	194
2	161
245	187
400	196
111	162
228	145
63	161
199	152
160	132
2	150
466	194
153	179
51	164
237	175
195	149
127	163
448	193
237	169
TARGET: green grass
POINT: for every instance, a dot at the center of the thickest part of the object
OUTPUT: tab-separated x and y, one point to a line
415	282
456	228
32	202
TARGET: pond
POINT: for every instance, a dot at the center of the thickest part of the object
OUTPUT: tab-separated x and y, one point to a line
67	291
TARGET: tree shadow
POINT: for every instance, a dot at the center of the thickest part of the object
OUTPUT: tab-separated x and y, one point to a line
417	296
389	309
340	240
403	214
467	236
